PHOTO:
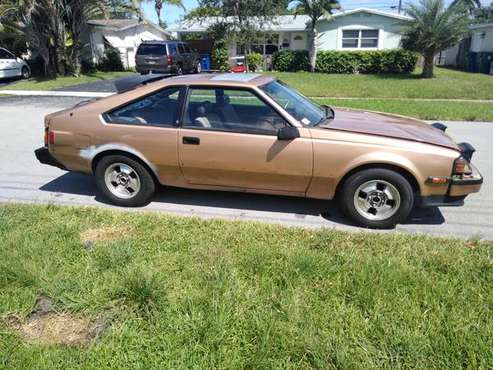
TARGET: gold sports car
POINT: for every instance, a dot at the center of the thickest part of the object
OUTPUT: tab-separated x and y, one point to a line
248	132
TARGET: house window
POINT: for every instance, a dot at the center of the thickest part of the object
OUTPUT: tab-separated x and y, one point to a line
359	39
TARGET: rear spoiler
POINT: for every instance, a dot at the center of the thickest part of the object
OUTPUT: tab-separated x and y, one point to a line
467	150
132	82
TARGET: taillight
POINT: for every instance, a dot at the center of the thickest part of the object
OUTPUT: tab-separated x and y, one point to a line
461	167
170	60
49	137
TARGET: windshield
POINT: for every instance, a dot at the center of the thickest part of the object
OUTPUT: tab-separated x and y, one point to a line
300	107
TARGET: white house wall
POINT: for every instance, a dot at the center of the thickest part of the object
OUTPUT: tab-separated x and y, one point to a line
126	41
330	32
482	40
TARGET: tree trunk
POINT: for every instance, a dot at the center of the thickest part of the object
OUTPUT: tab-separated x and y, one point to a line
313	49
428	65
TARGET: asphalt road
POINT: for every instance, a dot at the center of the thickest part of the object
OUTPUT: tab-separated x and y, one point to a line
23	179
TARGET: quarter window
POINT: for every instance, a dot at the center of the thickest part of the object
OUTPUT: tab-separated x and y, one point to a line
160	109
234	110
181	49
359	39
172	49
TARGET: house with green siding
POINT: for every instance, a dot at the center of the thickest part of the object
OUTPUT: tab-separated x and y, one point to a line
358	29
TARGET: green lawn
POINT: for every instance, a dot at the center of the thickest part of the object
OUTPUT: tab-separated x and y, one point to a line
427	110
187	293
448	84
54	83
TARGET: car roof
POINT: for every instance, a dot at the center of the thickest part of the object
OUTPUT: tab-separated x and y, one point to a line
218	79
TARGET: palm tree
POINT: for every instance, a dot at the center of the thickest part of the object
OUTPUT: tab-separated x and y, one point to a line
471	5
434	28
316	10
159	4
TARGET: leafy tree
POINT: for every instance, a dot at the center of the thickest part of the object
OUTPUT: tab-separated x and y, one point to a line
434	28
470	5
240	21
316	10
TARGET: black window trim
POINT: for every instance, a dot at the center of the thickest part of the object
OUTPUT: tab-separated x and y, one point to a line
175	125
12	56
241	88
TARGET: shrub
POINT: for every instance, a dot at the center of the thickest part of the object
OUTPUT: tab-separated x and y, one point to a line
379	61
111	61
290	61
254	61
220	59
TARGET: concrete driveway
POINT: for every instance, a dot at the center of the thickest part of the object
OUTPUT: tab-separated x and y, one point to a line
23	179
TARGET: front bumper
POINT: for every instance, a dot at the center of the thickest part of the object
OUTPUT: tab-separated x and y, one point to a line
458	190
44	156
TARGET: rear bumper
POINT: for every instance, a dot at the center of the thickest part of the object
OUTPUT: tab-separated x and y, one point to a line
151	69
44	156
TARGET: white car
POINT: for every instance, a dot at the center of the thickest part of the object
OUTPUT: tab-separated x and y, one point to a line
11	66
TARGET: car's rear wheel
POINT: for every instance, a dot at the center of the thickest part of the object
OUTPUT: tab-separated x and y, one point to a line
179	70
124	181
198	67
377	198
26	73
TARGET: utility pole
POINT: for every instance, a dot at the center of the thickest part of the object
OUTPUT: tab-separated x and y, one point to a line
400	7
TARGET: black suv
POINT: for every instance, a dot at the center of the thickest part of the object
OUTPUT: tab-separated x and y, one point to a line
166	57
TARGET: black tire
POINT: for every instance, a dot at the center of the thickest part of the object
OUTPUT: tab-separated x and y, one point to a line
198	67
179	70
146	187
26	73
386	183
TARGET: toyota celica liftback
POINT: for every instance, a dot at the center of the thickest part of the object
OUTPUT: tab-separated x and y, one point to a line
247	132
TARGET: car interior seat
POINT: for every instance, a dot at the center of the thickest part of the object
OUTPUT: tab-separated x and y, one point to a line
225	110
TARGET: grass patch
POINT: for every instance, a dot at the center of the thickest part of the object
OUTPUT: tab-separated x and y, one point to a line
428	110
188	293
447	84
44	83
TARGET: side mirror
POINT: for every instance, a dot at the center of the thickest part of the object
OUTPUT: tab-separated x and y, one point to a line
288	133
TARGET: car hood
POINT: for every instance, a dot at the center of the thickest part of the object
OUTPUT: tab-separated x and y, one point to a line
388	125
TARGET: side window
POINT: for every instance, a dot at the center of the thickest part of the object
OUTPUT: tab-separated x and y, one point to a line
187	49
181	49
235	110
4	54
172	49
161	108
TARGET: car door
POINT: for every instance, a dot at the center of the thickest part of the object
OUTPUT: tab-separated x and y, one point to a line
9	66
221	143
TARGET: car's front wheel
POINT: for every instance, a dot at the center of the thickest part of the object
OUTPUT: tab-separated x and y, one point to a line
377	198
124	181
26	73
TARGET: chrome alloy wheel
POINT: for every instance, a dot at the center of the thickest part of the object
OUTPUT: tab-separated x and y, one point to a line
377	200
122	180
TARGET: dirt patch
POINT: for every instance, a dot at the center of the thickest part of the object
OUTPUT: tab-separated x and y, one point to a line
44	325
104	234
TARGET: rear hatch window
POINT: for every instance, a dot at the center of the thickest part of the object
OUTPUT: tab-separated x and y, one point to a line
150	49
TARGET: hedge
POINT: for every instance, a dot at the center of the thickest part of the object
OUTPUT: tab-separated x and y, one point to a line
379	61
290	61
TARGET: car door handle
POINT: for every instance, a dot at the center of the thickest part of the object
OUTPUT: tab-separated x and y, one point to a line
188	140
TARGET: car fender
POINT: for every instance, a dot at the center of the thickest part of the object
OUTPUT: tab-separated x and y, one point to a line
383	158
93	151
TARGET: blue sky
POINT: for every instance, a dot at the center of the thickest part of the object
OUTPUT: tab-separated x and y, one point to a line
172	14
